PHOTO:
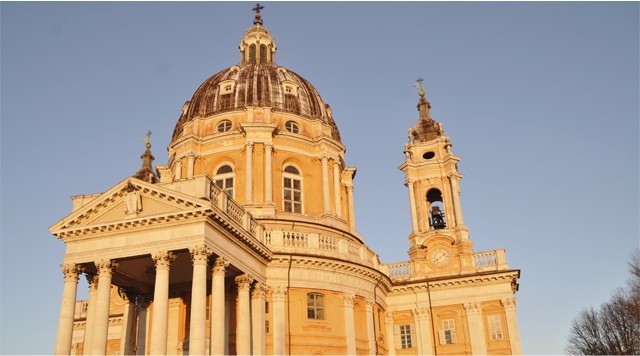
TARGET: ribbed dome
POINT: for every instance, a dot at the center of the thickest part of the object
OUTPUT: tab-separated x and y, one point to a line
256	85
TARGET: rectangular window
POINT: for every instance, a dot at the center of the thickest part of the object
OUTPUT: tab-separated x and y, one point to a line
315	306
448	332
405	336
292	195
495	327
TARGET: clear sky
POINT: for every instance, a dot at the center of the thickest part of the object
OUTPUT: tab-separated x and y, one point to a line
541	101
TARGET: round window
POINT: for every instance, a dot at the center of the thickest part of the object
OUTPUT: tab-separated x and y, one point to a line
292	127
224	126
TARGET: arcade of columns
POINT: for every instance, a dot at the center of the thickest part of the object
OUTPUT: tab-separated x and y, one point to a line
249	292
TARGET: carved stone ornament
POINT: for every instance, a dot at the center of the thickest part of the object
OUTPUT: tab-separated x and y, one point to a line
421	313
509	304
244	281
349	299
163	259
106	267
132	201
370	305
473	308
278	293
200	254
220	265
259	291
71	271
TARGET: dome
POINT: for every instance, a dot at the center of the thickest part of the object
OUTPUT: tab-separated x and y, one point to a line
256	85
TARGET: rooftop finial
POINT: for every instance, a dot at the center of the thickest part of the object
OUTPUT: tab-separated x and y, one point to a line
147	141
418	85
258	17
146	172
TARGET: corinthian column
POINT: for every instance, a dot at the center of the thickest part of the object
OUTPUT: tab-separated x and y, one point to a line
67	308
198	324
91	312
243	317
509	305
371	333
278	295
101	317
177	174
217	307
249	172
159	319
476	328
325	185
191	162
268	173
455	193
349	323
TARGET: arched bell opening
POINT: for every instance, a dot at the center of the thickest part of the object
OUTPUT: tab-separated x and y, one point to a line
437	218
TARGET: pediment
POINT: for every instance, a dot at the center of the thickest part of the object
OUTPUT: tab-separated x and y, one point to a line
128	200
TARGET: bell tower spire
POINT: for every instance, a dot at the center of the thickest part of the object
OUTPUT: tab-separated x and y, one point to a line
439	240
257	46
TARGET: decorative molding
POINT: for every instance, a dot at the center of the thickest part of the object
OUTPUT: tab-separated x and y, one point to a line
473	308
163	259
200	254
220	265
278	293
259	291
509	304
106	267
71	272
349	299
244	282
370	305
422	313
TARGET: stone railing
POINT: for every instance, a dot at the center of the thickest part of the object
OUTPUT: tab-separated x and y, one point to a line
314	243
495	260
399	270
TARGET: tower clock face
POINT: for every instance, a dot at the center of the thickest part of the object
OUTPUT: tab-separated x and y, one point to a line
440	256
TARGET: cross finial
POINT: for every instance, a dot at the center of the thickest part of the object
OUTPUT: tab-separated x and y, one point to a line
147	141
258	8
418	85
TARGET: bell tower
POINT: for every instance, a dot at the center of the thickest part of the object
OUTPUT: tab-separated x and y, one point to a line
439	240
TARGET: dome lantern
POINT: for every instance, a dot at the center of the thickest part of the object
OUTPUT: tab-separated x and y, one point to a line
257	46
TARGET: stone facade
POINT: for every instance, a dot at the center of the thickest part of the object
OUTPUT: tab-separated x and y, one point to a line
246	241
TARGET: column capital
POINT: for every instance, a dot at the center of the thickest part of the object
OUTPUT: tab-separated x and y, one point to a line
178	162
421	313
92	280
409	181
259	291
370	305
244	281
349	299
278	293
509	304
71	271
249	145
324	158
191	156
220	265
336	162
106	267
389	317
163	259
268	147
473	308
200	254
349	188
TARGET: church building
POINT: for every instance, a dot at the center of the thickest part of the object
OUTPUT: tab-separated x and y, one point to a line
245	242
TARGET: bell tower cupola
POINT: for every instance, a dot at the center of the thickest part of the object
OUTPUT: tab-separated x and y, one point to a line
257	46
439	240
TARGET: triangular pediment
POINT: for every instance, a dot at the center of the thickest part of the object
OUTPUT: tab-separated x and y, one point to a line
131	199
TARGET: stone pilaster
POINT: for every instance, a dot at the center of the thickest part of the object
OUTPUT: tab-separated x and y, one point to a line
67	308
371	333
268	173
476	328
191	163
278	297
391	341
336	187
325	185
349	322
509	305
159	319
422	317
249	172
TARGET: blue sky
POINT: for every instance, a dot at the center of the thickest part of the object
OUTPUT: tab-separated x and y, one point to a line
541	101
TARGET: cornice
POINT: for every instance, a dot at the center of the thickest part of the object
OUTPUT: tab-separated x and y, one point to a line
457	281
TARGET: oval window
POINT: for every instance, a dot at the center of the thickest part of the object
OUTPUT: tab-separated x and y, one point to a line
292	127
428	155
224	126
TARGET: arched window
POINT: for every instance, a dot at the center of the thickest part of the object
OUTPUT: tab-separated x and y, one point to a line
292	127
315	306
263	54
436	209
292	190
224	179
224	126
252	54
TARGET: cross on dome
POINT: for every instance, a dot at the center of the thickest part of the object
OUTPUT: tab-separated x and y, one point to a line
258	17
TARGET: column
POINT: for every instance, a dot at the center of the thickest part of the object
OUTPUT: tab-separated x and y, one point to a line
217	307
142	306
191	161
455	193
198	322
422	317
101	316
412	204
336	187
278	295
349	323
91	312
159	319
476	328
249	172
258	318
371	333
391	339
67	308
325	185
352	218
268	173
509	305
128	321
243	321
177	174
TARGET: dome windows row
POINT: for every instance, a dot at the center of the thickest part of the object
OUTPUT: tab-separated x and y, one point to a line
289	126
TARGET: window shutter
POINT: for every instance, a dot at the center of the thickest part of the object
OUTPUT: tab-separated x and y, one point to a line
443	337
453	336
396	336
